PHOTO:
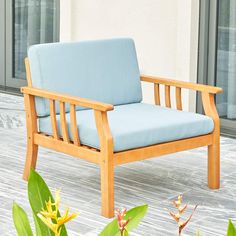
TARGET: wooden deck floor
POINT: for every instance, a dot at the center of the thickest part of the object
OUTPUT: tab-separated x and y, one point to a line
156	182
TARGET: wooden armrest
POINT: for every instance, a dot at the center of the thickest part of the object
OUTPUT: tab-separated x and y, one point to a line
100	106
181	84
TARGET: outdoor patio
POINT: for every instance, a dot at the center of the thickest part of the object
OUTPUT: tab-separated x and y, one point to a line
156	182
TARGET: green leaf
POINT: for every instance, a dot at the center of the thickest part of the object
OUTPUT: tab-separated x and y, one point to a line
198	233
111	229
37	226
21	221
39	193
135	215
126	233
231	229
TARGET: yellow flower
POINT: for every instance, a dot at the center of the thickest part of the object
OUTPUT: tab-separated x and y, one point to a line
50	215
57	198
47	221
66	217
178	202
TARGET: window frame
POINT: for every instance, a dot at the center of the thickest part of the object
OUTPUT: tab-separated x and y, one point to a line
10	83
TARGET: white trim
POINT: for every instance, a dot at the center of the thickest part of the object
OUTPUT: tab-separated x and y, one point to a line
187	47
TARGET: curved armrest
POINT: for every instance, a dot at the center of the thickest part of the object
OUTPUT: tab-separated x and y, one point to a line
78	101
181	84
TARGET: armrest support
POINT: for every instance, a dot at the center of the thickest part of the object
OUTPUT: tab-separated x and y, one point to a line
100	111
207	94
181	84
78	101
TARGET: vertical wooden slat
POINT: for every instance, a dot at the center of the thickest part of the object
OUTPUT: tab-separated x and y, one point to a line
178	98
167	96
53	119
74	128
157	94
63	122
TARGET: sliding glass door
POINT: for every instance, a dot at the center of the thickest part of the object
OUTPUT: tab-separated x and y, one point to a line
2	44
27	22
217	56
226	61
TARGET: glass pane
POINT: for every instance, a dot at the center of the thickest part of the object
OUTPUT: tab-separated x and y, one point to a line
226	59
34	22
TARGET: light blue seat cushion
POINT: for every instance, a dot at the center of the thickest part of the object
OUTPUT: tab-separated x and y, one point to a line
102	70
138	125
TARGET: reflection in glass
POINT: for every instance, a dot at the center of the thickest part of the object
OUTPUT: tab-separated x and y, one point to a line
34	22
226	59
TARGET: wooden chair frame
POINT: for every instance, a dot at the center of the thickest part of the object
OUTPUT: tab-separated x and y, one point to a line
106	158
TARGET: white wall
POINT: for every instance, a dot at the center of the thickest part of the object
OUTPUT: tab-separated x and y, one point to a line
65	20
165	33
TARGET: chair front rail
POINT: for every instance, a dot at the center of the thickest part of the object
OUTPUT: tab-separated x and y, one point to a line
85	153
161	149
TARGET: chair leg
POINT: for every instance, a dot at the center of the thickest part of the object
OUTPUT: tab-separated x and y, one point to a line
31	158
214	165
31	124
107	189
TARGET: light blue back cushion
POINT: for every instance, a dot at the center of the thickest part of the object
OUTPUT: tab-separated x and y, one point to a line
102	70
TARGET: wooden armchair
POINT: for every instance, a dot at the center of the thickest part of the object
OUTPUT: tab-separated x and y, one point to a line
59	121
